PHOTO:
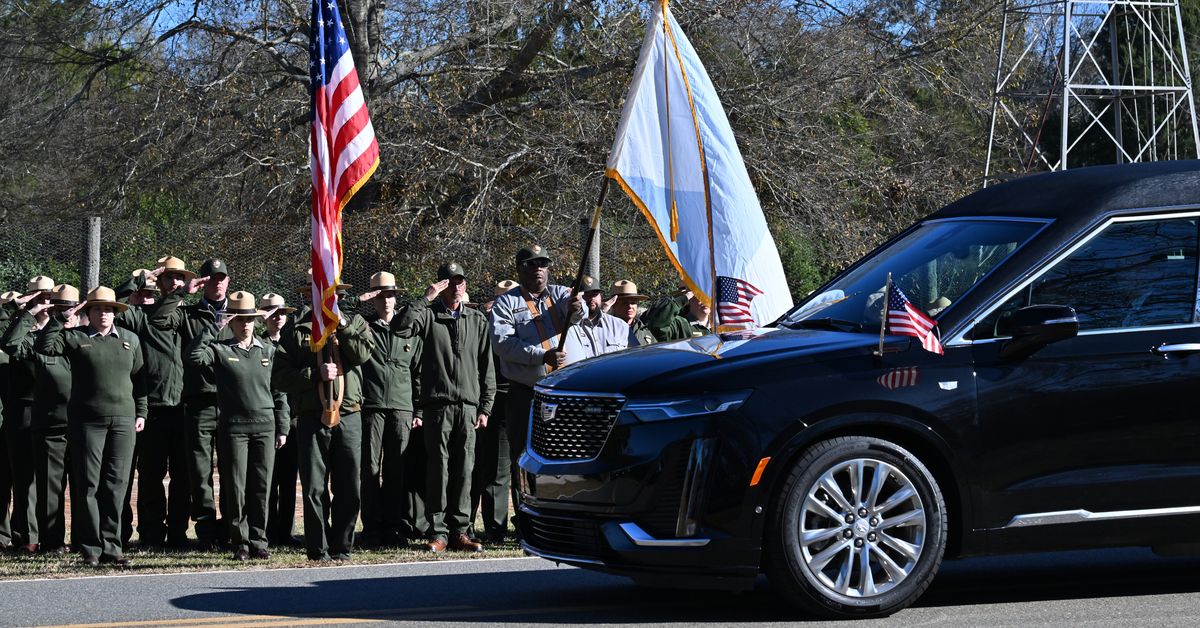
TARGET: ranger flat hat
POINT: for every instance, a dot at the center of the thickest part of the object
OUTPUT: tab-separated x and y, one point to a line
104	296
64	295
171	264
271	303
588	283
306	288
505	286
40	283
450	270
383	281
7	297
213	266
148	282
241	304
625	289
533	252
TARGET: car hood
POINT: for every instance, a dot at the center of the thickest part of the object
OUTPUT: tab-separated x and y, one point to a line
642	370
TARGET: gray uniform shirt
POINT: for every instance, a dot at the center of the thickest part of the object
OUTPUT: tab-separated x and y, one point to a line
516	339
596	336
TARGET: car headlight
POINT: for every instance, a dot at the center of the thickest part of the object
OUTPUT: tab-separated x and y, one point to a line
668	408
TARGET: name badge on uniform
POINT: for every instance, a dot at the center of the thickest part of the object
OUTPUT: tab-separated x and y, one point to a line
86	346
125	345
232	359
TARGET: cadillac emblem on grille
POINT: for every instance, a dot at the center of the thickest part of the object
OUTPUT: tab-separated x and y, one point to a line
572	427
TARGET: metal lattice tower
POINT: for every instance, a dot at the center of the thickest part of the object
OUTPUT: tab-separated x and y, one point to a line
1085	83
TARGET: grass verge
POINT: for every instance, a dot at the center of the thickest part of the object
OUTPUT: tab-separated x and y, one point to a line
13	567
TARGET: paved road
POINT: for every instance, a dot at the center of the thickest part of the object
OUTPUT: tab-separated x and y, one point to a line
1124	587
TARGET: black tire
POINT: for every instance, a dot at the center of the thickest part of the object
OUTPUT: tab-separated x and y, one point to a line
795	569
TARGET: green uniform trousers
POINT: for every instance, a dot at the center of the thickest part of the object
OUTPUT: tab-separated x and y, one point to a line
450	456
5	490
412	516
127	505
330	458
23	526
101	453
245	461
50	476
490	480
163	452
385	438
516	410
201	428
281	504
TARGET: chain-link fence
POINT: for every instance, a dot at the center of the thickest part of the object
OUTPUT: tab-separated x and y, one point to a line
273	257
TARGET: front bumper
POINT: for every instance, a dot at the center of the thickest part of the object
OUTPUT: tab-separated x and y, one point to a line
624	548
661	501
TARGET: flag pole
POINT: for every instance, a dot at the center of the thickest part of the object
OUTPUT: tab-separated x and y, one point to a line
887	288
583	255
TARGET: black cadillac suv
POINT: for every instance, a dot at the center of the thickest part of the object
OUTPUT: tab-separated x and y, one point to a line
1062	414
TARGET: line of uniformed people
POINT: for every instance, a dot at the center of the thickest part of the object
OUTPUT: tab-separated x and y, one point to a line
137	379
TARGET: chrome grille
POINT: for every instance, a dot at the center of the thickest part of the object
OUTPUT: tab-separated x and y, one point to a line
571	427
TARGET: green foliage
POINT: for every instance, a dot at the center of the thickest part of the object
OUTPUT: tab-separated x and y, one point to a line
804	267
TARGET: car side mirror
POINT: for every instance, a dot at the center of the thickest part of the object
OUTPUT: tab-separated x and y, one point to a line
1036	326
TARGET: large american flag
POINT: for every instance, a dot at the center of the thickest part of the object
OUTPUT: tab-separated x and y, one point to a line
733	301
344	155
904	319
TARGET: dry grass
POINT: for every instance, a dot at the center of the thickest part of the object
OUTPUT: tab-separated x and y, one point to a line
153	562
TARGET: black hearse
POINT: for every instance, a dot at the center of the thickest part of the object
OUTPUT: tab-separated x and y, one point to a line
1063	413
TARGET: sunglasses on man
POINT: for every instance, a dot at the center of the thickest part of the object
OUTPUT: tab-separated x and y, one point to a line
537	263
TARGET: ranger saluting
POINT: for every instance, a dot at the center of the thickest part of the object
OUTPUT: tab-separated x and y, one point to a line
253	421
107	407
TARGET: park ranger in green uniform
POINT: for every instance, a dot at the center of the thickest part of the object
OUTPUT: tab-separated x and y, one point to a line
491	480
7	309
667	322
107	407
625	307
281	501
455	390
387	416
199	386
327	454
51	393
253	421
18	411
162	447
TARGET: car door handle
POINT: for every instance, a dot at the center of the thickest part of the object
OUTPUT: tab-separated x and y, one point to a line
1166	350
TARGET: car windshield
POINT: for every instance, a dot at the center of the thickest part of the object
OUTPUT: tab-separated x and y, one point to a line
933	265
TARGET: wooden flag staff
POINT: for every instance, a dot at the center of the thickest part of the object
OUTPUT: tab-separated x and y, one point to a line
587	246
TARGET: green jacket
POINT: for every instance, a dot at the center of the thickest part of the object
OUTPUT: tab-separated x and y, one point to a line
290	411
388	375
162	351
246	402
7	311
664	320
189	321
22	375
108	375
456	355
295	370
52	374
639	334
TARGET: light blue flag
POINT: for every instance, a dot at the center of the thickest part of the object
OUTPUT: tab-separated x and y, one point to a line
677	160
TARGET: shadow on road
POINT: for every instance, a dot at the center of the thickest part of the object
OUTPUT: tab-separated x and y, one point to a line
573	596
